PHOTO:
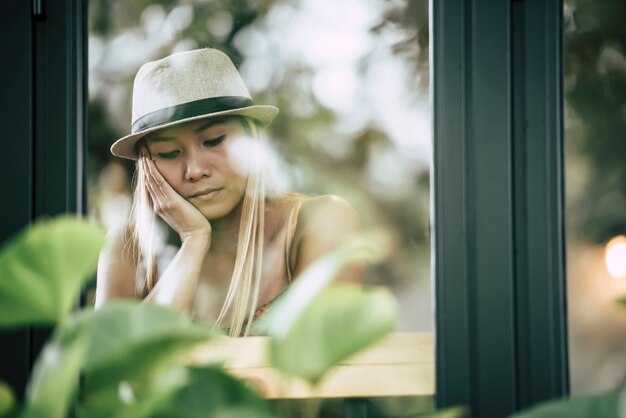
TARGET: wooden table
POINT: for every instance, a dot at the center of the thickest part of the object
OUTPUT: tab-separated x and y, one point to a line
402	364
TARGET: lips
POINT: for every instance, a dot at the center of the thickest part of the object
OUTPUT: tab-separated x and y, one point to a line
205	194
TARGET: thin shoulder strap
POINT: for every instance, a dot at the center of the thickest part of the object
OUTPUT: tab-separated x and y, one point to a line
291	231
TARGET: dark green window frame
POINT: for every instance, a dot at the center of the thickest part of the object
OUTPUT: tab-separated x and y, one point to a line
497	184
42	114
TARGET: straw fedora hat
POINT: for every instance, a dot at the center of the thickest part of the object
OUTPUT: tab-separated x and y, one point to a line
183	87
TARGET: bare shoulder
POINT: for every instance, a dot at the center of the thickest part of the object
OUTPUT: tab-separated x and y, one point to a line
328	211
325	223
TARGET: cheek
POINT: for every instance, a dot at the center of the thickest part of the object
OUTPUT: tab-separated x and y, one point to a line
168	172
242	182
233	177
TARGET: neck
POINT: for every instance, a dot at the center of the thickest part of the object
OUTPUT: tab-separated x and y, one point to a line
225	231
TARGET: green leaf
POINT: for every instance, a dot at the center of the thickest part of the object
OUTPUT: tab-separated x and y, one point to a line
342	320
454	412
312	328
104	403
187	393
240	412
138	400
55	377
371	247
133	340
43	268
597	406
211	392
7	399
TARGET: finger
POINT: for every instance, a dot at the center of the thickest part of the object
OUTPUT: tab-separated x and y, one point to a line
153	182
165	188
155	193
154	174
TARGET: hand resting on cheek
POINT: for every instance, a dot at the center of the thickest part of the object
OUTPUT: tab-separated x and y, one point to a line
175	210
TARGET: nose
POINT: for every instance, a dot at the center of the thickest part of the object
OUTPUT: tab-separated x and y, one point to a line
197	167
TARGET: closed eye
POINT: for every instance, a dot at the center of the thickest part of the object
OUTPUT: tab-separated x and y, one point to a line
214	142
168	155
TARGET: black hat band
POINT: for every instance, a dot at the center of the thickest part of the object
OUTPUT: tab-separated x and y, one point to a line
189	110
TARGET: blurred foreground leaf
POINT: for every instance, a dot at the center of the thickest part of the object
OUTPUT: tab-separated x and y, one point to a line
373	247
454	412
211	392
139	400
179	393
313	327
341	321
239	412
54	381
597	406
43	268
7	399
132	340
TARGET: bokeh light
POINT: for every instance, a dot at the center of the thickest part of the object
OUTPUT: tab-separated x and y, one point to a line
615	257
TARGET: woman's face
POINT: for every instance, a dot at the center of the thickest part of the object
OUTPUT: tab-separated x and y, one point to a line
204	161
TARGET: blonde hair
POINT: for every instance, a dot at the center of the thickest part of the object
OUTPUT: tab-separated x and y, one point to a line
243	292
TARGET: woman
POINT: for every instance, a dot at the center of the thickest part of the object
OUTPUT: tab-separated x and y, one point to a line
198	142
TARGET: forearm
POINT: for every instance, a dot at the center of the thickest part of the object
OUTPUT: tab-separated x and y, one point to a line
176	287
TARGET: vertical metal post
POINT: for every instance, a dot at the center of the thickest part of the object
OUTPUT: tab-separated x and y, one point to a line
539	194
16	169
497	204
472	207
42	111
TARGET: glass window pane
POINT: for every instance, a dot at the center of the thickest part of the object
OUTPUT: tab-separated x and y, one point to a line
351	79
595	166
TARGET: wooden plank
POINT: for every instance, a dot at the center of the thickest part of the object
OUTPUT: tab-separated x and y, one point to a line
400	365
347	381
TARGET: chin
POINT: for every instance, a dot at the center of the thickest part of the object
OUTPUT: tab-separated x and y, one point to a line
217	210
212	215
213	211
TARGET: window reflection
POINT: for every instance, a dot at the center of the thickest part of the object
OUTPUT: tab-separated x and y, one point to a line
595	122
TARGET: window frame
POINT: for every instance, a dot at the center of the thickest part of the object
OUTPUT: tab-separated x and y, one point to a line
497	184
44	120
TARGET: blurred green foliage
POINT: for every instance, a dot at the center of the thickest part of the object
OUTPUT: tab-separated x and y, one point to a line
595	92
596	406
331	318
7	398
38	285
129	351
